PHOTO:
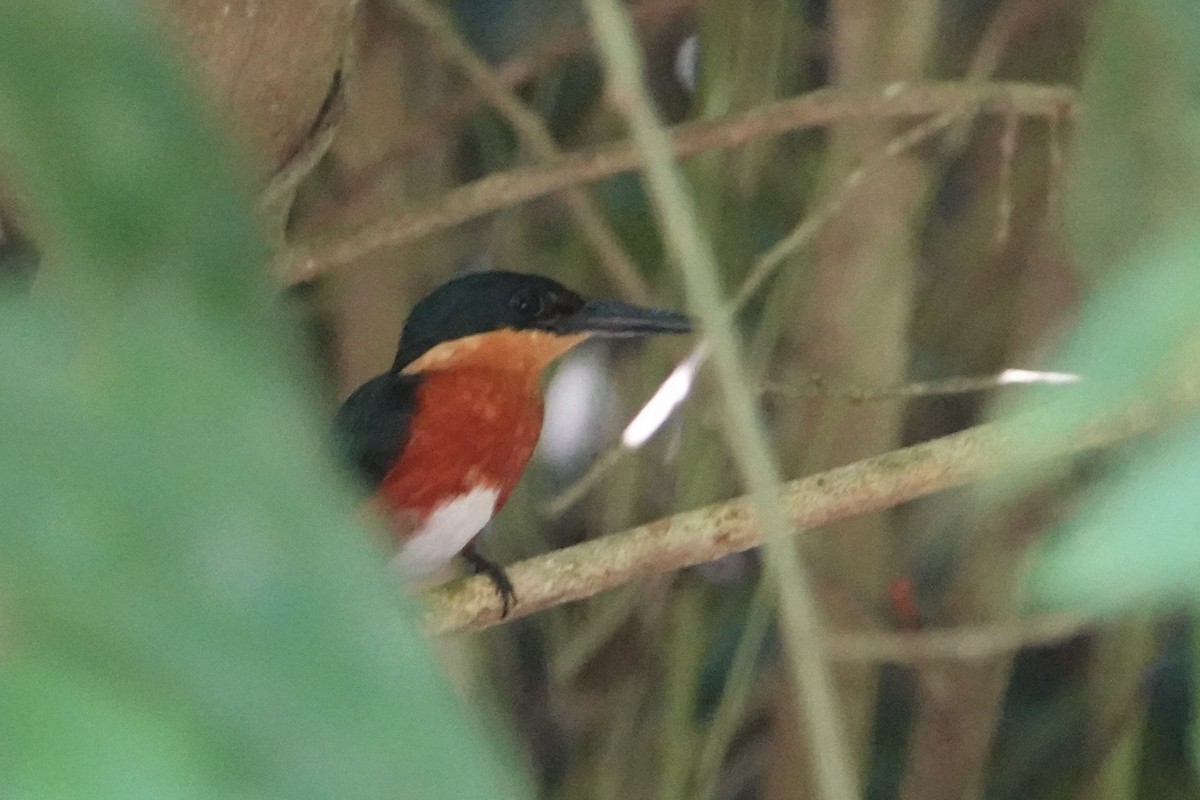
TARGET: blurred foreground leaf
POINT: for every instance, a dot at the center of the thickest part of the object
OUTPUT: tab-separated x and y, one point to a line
1138	542
1137	149
186	609
1135	204
1136	207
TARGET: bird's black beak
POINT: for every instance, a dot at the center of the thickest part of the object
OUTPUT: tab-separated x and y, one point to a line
610	319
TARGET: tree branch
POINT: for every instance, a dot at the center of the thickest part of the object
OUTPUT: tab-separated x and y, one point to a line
535	134
306	260
705	534
522	68
959	643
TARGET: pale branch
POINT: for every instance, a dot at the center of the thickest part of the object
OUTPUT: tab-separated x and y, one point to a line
817	386
693	537
275	201
960	643
306	260
820	386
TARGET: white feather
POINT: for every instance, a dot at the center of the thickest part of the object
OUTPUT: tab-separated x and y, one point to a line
446	532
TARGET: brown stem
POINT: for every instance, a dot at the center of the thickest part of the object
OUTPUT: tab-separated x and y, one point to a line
306	260
622	271
705	534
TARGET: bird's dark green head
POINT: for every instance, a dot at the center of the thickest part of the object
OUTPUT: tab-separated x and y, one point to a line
485	302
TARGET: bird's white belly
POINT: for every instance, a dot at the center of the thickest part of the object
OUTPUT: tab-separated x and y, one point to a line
446	531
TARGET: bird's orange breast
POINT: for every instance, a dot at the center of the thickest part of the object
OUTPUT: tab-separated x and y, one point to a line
477	420
471	429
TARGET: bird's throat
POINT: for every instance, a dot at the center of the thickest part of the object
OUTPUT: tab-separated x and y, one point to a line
523	355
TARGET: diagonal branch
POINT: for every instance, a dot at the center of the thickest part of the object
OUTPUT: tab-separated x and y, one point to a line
305	260
705	534
649	16
536	136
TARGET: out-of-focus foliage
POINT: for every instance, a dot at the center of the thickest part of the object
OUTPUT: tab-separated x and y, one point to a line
1137	149
1136	205
180	589
1136	213
186	608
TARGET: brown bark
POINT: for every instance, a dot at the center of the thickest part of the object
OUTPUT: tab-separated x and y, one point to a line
395	78
267	66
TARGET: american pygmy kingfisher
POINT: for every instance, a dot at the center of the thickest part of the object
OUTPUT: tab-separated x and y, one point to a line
442	437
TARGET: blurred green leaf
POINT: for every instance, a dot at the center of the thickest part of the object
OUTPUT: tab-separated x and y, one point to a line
187	609
1135	334
1137	146
1138	542
1136	207
1134	204
98	138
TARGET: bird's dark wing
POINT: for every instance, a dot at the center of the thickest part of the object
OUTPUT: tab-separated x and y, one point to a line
372	426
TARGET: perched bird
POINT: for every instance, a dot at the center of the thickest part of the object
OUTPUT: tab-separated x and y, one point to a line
442	437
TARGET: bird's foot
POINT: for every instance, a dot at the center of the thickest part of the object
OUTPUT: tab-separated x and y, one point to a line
496	574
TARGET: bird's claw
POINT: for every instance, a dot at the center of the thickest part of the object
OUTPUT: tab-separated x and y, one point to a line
496	574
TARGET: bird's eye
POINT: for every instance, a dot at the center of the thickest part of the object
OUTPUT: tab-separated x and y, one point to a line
527	302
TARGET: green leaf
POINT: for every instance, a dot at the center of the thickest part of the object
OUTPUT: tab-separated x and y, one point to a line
1137	543
188	608
1137	146
1135	207
1133	202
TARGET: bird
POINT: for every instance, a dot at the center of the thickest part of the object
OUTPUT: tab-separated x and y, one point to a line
440	440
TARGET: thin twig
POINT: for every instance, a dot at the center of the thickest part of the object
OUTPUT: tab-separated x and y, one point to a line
536	136
819	386
1055	176
966	643
1008	19
1004	203
811	225
603	464
275	200
518	70
705	534
305	260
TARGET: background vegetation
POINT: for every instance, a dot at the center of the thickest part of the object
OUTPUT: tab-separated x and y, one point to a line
899	194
